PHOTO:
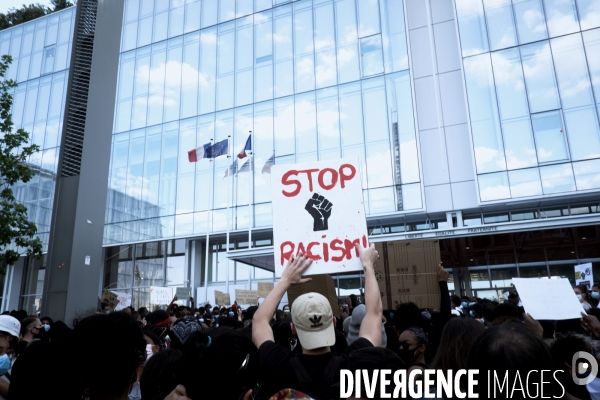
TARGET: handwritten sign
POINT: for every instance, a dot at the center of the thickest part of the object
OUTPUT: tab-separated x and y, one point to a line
124	300
246	296
264	288
551	299
222	299
584	275
183	293
318	210
111	298
161	295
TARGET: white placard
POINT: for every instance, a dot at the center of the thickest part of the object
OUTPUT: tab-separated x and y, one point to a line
318	209
551	299
124	300
161	295
584	275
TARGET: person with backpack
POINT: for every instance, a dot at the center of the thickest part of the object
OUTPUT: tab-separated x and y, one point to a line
316	371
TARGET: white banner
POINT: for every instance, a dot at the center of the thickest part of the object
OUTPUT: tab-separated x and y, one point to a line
551	299
124	300
161	295
584	275
318	210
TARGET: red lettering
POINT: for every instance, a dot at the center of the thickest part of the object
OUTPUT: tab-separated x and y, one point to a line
309	253
349	245
344	177
334	178
301	249
308	173
285	255
336	245
364	240
325	251
286	181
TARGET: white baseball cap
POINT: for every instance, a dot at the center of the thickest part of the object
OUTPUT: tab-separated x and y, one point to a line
10	325
313	319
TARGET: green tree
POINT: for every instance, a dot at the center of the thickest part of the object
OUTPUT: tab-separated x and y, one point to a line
15	227
59	5
16	16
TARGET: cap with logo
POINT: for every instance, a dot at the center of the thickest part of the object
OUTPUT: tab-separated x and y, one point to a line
10	325
313	319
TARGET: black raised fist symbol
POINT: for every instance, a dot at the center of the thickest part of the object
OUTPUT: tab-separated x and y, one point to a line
320	209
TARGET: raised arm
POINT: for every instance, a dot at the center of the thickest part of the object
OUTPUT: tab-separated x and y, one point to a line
445	306
370	328
261	329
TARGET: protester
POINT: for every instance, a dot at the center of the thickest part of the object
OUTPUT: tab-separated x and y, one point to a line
10	328
355	322
413	347
31	329
583	295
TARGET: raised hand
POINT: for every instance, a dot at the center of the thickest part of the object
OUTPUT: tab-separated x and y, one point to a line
320	209
294	269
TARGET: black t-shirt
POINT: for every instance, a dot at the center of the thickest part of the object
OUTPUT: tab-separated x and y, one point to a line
277	372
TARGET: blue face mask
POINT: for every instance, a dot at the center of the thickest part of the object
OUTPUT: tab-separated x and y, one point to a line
471	304
201	320
464	304
595	295
5	364
46	327
231	313
472	313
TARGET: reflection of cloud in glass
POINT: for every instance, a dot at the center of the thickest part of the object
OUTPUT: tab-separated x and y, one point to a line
379	169
487	155
525	189
521	159
587	174
326	70
534	21
496	192
561	17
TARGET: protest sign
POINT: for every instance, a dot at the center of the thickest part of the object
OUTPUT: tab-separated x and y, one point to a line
124	300
318	210
183	293
264	288
246	296
110	298
222	299
161	295
407	272
551	299
584	275
323	284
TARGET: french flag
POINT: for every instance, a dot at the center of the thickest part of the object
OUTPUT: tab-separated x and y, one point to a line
248	147
198	153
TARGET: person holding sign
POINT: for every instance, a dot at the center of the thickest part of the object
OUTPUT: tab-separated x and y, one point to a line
316	371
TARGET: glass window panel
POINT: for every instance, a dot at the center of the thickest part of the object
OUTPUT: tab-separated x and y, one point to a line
306	123
473	36
226	10
51	138
123	116
393	36
36	65
531	25
30	103
38	41
347	41
129	36
24	70
209	12
589	14
131	10
208	67
243	127
244	7
260	5
58	95
357	152
379	162
587	174
510	87
126	75
173	80
51	34
411	197
263	153
176	19
184	225
571	71
351	114
224	124
263	45
328	121
48	59
192	16
18	106
374	106
487	139
27	42
525	182
161	23
284	66
561	17
501	26
583	132
557	178
592	49
157	83
61	57
325	68
189	75
371	55
539	77
303	48
549	137
244	90
381	200
493	186
142	72
518	143
284	126
368	18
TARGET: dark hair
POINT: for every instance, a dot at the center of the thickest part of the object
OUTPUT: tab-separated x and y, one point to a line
354	300
161	373
506	311
26	324
279	314
407	315
477	309
562	351
584	291
230	322
104	344
59	333
250	312
51	322
143	311
456	300
457	337
510	348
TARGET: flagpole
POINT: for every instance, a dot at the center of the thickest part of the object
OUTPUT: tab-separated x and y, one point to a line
229	194
208	225
250	210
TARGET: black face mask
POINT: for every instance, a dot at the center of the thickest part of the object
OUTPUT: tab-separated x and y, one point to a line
408	356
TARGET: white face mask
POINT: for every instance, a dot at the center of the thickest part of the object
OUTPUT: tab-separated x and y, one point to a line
580	298
149	352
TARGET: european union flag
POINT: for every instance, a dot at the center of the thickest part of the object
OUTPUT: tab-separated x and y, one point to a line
218	149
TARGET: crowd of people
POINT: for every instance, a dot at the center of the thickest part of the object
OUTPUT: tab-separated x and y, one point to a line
296	352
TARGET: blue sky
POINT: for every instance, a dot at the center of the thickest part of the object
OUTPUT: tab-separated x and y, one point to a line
6	4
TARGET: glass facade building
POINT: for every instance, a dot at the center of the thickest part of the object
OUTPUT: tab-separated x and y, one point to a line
470	119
